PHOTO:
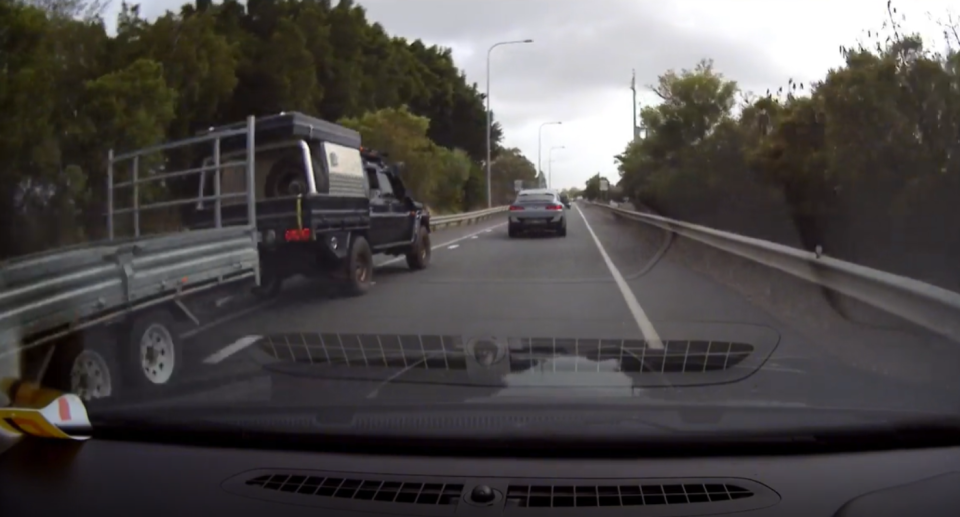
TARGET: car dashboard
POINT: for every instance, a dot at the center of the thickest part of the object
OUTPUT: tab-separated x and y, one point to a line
108	476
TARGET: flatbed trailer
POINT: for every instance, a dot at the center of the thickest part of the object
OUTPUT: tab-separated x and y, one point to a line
141	289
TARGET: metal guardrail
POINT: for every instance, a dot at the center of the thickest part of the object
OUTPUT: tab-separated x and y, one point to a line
441	221
927	305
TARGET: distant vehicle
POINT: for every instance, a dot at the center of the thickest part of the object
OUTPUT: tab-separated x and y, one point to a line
537	210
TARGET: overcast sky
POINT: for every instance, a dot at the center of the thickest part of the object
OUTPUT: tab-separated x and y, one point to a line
578	68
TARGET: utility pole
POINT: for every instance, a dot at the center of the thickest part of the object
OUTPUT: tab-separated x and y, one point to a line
633	88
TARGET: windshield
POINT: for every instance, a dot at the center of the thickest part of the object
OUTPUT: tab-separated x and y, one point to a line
191	216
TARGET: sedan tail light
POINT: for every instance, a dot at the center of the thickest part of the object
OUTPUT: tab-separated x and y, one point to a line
514	208
554	207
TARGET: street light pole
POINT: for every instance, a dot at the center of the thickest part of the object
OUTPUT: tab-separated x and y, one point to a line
550	165
489	50
540	145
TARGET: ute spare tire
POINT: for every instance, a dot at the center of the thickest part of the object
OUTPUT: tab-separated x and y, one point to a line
287	178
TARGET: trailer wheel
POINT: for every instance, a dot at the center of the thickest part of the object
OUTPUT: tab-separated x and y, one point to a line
419	255
83	365
270	283
90	376
153	355
359	267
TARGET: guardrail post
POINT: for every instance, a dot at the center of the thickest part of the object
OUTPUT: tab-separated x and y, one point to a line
110	194
136	196
217	221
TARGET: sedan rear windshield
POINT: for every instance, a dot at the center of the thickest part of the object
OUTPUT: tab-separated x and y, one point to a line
536	198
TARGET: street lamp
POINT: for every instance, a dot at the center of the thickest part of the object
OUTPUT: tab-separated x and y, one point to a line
540	145
489	50
550	165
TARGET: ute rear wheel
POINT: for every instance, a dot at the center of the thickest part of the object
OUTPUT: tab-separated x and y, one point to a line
419	255
359	267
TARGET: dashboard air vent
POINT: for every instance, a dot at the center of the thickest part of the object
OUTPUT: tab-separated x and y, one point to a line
560	496
361	489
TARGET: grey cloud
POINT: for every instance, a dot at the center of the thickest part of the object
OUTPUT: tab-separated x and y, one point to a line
582	50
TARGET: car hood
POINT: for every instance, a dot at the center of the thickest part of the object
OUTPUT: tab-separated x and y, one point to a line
540	366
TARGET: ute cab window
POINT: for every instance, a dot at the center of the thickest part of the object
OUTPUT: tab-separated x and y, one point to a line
380	186
386	188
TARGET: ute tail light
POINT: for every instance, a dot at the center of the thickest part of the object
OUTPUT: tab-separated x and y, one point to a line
514	208
298	235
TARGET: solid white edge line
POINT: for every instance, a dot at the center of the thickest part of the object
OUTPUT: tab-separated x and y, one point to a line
229	350
649	333
445	244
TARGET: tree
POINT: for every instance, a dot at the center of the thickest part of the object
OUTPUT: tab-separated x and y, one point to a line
433	173
864	163
70	92
592	190
510	165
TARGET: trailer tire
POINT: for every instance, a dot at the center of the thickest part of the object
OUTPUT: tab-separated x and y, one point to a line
359	267
85	366
152	355
419	255
271	283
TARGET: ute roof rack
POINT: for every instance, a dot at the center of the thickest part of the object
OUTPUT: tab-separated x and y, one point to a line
372	155
288	125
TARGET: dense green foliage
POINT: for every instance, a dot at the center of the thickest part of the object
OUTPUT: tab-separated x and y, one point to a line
865	163
69	92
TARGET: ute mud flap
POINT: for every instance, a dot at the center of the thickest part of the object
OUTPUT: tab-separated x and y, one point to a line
334	245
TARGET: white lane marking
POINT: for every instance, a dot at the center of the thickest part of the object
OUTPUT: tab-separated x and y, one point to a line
453	246
649	333
227	318
475	237
229	350
445	244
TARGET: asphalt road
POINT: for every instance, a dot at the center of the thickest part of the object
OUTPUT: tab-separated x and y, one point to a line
599	282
